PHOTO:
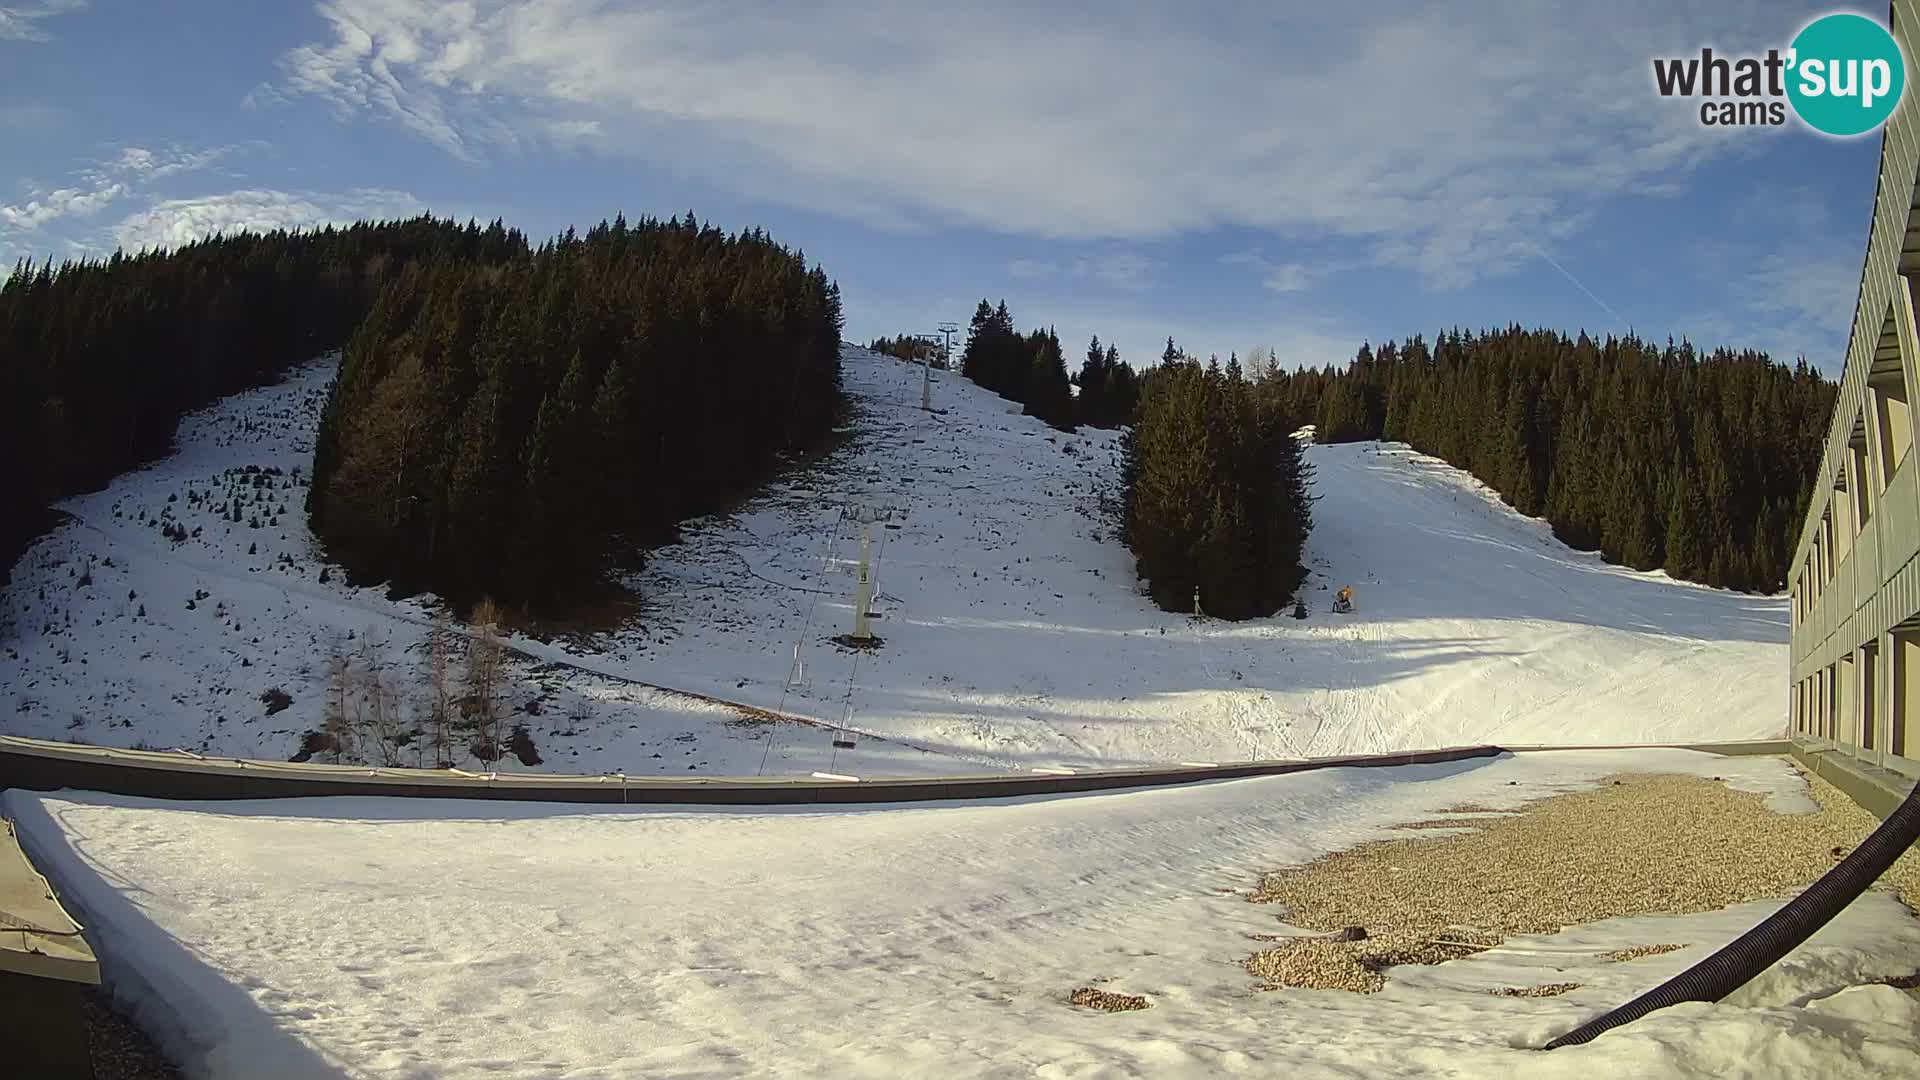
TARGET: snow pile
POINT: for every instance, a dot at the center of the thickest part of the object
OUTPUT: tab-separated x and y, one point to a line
446	939
1014	632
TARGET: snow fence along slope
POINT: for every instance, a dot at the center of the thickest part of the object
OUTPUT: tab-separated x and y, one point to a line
394	938
1015	634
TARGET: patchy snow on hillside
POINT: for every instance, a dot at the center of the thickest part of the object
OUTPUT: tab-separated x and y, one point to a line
393	938
166	608
1014	632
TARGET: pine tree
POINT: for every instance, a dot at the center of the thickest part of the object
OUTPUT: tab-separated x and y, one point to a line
1048	394
1216	494
1092	405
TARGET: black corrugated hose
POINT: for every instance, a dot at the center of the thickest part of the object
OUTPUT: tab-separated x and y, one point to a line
1759	948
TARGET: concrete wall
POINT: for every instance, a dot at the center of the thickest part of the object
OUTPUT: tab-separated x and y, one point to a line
37	765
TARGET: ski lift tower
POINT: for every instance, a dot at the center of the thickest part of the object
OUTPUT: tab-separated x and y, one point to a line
867	512
946	332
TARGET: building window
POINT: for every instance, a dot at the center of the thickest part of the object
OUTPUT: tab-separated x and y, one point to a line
1901	709
1860	478
1827	540
1889	396
1831	706
1840	522
1869	695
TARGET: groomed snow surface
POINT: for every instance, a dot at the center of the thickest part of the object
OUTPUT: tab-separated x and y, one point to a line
388	938
1015	633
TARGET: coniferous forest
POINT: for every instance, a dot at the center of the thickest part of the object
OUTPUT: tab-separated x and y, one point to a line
1032	370
908	347
517	429
1216	492
1658	457
100	358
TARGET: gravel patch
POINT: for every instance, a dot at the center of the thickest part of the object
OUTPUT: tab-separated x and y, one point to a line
1621	956
1107	1000
1316	963
1637	844
118	1048
1443	823
1543	990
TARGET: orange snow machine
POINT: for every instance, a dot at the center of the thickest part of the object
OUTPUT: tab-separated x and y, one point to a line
1343	600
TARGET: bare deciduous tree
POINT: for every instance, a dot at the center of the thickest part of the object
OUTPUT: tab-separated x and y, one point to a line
379	716
1261	364
439	692
484	655
336	723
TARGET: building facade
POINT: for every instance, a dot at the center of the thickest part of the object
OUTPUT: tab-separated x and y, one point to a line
1855	580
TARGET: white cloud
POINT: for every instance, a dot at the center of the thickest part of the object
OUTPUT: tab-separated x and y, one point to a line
175	222
140	164
1119	270
66	202
1288	277
1282	277
1447	139
19	22
1791	287
97	187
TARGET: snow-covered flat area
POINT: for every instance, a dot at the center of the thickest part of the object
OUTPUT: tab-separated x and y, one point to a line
386	938
1015	635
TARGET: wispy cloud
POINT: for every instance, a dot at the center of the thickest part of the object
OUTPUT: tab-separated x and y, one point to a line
21	22
150	164
1791	278
1121	270
1431	138
1281	277
174	222
53	205
1117	270
92	189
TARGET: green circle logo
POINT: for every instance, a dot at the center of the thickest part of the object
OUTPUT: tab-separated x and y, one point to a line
1846	74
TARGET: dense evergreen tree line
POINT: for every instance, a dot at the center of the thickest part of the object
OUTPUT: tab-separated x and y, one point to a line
1658	457
99	358
909	347
1109	390
1032	370
517	429
1216	491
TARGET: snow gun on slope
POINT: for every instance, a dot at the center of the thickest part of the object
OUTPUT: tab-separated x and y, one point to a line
1343	600
1780	933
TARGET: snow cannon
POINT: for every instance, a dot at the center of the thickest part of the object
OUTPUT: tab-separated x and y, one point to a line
1343	600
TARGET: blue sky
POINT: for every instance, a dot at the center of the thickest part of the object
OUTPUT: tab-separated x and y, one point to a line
1233	174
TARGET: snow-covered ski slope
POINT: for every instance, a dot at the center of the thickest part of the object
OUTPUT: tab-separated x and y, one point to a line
1015	634
392	938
